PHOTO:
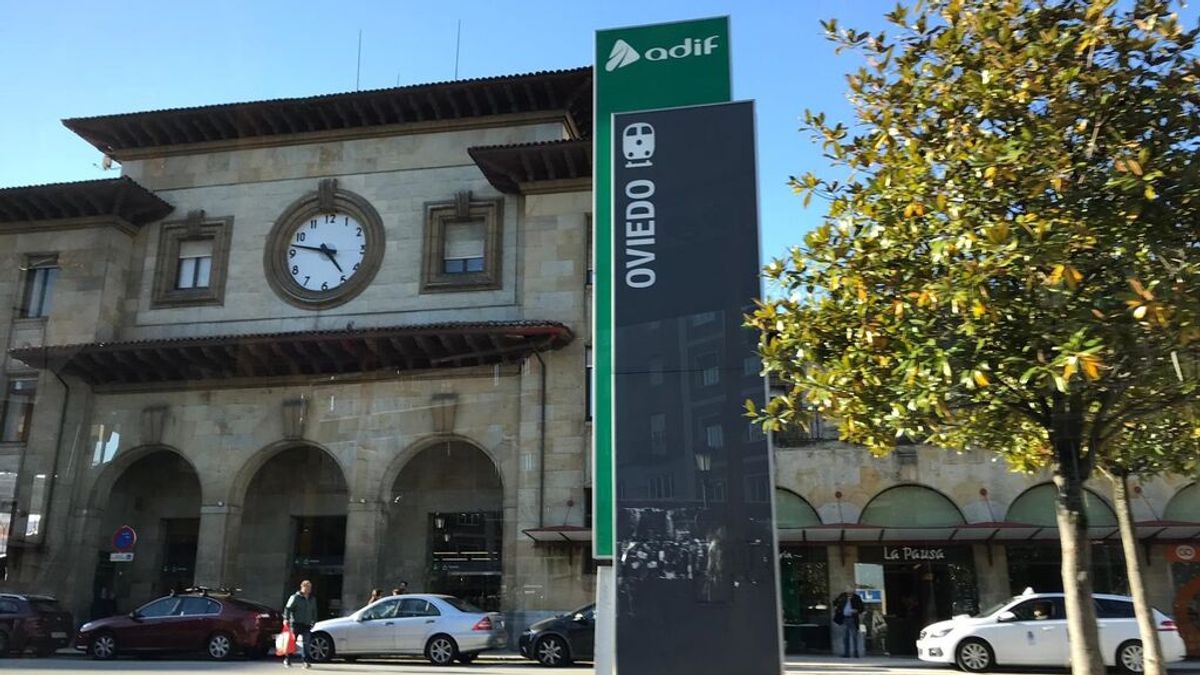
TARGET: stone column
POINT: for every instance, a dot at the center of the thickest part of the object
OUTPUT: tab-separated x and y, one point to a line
366	526
80	571
220	526
991	578
1160	588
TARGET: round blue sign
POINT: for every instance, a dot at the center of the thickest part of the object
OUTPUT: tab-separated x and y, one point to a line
124	539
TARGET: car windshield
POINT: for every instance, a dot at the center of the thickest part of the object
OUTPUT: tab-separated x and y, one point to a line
993	609
45	605
462	606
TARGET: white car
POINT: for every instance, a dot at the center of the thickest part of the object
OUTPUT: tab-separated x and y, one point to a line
441	627
1031	630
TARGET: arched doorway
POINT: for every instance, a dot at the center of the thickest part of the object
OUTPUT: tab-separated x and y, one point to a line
294	528
1039	565
445	525
158	495
803	576
921	578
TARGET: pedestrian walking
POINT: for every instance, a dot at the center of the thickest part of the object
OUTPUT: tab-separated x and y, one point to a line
847	608
300	613
401	589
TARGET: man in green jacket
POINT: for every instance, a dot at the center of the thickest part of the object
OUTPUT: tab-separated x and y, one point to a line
300	613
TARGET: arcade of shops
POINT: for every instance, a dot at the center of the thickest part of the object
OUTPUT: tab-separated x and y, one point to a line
914	559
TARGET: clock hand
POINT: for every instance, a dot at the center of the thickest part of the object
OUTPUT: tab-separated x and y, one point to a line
330	253
308	248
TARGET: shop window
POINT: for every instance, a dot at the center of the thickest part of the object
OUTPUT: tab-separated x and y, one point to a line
18	409
1040	567
805	597
193	257
911	506
793	512
41	274
1035	506
462	245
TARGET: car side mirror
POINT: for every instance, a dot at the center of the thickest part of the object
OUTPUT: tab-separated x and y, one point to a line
1005	617
135	616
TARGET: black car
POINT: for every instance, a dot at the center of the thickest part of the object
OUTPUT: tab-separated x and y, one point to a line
33	623
562	639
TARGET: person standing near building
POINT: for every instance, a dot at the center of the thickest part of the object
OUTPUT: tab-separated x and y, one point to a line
376	594
300	613
847	608
401	589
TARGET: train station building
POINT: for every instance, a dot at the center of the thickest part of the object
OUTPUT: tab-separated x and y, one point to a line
347	338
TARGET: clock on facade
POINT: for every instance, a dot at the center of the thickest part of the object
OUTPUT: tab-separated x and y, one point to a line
325	248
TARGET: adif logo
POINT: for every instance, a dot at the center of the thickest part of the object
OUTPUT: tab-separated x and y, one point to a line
624	54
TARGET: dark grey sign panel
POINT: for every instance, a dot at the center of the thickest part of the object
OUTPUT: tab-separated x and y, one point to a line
696	578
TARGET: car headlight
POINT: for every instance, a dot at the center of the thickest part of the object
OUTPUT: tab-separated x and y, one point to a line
941	632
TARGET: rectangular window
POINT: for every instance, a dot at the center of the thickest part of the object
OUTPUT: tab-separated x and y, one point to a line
464	247
18	409
756	489
752	366
661	486
40	275
708	370
714	436
195	264
658	434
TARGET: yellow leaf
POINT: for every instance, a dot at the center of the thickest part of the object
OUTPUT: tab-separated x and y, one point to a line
1140	312
1134	166
1057	182
978	309
1150	193
1072	276
989	173
1091	366
980	378
1056	275
1069	368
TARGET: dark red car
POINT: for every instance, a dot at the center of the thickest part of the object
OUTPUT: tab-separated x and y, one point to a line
33	622
214	623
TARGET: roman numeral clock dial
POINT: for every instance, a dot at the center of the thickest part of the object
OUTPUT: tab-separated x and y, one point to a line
319	257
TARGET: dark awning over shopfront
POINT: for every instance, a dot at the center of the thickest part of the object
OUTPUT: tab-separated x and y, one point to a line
1002	532
328	352
559	534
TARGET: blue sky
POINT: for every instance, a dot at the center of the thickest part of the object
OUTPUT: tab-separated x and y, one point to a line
74	59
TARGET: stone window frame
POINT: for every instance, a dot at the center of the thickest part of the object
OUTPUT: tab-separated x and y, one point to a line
33	262
463	208
10	381
170	236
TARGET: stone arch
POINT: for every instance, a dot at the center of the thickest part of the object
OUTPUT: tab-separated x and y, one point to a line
236	490
1184	505
402	459
793	511
1035	506
112	471
917	505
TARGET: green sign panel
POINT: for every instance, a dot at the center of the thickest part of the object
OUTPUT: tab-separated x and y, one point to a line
637	68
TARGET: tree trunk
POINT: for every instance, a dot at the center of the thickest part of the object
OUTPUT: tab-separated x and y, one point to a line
1151	645
1069	474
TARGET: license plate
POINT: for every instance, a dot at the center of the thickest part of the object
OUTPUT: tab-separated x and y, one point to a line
58	634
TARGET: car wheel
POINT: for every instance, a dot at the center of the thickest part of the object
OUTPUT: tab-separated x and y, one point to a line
441	650
103	647
467	658
1130	657
551	650
320	647
219	646
974	656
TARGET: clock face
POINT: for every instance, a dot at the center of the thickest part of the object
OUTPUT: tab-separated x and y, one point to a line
325	251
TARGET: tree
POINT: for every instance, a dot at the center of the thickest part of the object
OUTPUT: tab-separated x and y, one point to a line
1168	443
1013	263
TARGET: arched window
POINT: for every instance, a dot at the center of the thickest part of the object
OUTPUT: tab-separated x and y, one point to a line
911	506
793	512
1035	506
1185	505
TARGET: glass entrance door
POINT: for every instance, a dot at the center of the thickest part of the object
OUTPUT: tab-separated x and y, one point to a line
464	556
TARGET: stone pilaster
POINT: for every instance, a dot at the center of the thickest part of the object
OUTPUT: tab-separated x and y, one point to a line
366	527
991	574
220	527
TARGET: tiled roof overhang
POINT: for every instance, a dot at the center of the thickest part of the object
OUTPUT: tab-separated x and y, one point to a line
550	166
118	198
329	352
568	92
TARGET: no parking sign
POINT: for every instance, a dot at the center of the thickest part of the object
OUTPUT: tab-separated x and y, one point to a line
124	539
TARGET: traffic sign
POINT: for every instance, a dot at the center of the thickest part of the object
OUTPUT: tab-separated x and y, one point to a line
124	539
120	557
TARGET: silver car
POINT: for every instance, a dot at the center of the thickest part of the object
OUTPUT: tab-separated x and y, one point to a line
441	627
